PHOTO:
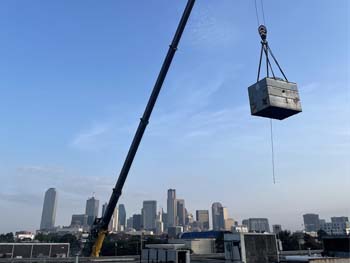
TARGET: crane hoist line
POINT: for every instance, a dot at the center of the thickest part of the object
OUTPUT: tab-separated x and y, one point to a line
100	227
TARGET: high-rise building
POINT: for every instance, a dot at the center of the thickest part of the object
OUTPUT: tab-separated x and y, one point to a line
202	217
159	223
339	219
149	214
122	216
216	210
79	220
171	208
137	222
228	224
338	226
165	220
223	211
104	207
259	225
48	215
91	209
181	212
276	229
129	223
189	218
113	224
311	222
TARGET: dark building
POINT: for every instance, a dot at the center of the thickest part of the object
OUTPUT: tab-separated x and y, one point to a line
79	220
122	216
48	215
137	222
276	229
202	217
165	220
91	209
311	222
339	219
337	246
257	225
181	212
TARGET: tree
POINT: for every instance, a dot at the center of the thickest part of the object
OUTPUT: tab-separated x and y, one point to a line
311	242
7	238
289	241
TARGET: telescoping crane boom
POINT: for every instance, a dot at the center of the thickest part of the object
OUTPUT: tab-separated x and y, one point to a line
100	226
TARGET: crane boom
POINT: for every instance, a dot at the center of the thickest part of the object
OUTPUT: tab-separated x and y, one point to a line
100	226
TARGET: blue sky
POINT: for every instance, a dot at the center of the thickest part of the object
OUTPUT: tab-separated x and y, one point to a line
75	77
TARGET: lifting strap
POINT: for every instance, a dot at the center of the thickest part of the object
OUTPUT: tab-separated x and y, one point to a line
266	50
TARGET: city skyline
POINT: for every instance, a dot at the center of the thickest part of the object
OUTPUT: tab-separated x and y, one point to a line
151	214
72	97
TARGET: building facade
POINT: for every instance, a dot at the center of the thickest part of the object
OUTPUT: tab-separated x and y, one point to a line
91	209
79	220
257	225
311	222
149	214
337	226
181	212
137	222
122	217
171	208
48	215
216	215
276	229
202	217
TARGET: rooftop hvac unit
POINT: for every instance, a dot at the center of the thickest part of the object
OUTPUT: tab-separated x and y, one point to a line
274	98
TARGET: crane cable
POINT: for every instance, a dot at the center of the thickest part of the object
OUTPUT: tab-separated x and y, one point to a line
267	67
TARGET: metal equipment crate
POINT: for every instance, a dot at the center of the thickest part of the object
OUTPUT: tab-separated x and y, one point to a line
274	98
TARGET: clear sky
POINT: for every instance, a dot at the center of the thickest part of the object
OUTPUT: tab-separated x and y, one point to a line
75	77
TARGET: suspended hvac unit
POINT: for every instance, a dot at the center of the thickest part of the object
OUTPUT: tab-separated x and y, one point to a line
272	97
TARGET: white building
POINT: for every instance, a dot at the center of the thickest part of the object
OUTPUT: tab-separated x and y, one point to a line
336	228
198	246
239	229
24	235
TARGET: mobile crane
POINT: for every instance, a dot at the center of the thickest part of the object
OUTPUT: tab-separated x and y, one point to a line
273	98
100	227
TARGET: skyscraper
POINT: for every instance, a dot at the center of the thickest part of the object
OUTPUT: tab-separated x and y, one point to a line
137	222
181	212
91	209
217	215
149	214
104	207
48	215
311	222
223	217
113	224
171	208
122	216
202	217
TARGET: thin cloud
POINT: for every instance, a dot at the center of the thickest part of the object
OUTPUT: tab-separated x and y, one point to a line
89	139
35	169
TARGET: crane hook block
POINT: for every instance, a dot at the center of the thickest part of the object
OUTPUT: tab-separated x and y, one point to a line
262	32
